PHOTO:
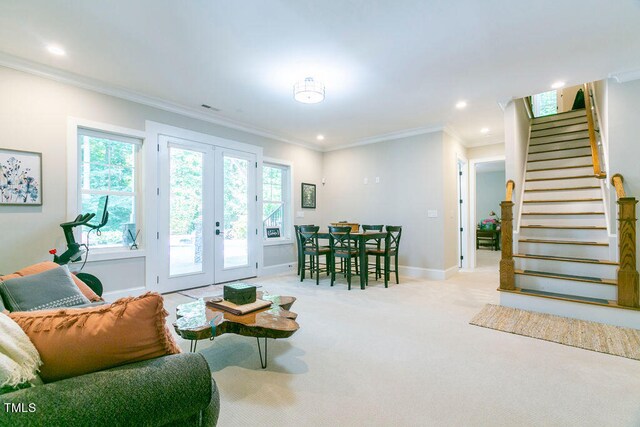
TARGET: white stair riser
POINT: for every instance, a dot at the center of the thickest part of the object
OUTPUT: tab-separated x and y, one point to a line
535	132
591	193
579	220
602	271
575	251
562	116
555	138
576	310
555	154
562	183
562	234
569	287
559	123
558	145
559	173
552	163
564	207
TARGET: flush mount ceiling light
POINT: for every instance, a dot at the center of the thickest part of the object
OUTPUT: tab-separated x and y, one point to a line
557	85
484	130
461	104
308	91
55	50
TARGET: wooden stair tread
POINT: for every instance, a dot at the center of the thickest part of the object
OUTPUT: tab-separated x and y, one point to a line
562	213
557	134
586	139
560	178
584	279
566	227
569	298
563	242
589	187
560	149
560	168
562	201
566	259
559	158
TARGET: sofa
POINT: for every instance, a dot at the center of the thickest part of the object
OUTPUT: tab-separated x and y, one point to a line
172	390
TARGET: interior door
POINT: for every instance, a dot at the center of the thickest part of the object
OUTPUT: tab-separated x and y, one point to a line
185	214
236	232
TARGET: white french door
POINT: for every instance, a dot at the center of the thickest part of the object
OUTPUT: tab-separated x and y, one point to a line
207	209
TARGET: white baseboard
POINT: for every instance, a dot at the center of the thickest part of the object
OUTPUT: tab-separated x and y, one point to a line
272	270
130	292
427	273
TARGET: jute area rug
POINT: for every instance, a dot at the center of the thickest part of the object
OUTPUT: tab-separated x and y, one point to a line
593	336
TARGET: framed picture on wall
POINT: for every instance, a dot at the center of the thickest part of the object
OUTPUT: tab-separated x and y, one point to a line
308	196
20	178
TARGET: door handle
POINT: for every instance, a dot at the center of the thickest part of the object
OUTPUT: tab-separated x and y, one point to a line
218	232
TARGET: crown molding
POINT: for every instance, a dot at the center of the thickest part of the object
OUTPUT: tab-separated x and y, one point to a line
625	76
387	137
40	70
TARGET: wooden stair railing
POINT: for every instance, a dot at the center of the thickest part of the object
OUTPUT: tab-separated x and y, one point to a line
628	290
595	155
507	265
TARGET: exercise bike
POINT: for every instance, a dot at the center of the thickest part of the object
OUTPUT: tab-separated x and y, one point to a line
75	250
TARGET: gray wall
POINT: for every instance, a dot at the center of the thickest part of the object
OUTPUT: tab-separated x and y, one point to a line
33	117
489	193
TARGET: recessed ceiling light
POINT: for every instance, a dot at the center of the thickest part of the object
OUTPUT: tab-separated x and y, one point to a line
320	137
461	104
557	85
56	50
484	130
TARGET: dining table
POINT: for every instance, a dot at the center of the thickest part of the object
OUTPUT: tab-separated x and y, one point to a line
362	238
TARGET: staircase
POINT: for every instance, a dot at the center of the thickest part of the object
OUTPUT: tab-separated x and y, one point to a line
563	263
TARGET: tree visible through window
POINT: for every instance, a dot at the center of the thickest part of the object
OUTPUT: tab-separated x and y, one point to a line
108	168
274	198
545	103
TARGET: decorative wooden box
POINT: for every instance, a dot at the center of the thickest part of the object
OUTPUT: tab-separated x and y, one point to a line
240	293
354	227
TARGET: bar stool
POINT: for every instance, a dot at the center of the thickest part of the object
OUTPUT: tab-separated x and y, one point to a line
310	247
344	247
372	245
391	249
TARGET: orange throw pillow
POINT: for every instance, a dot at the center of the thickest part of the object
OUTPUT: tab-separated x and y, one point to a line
73	342
48	265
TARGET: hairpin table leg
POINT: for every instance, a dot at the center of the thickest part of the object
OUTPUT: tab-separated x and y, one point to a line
263	363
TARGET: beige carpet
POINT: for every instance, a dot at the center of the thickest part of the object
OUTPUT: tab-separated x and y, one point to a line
592	336
407	356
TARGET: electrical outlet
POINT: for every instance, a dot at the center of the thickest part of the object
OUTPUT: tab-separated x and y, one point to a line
366	181
432	213
377	180
300	214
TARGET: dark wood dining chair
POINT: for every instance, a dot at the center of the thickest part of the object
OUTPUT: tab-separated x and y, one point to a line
299	251
391	249
311	247
373	245
343	246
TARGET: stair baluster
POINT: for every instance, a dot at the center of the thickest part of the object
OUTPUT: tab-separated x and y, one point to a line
628	288
507	265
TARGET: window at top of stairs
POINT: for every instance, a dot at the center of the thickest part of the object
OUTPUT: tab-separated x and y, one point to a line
545	103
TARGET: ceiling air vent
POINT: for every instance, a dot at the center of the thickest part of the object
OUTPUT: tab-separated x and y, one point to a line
209	107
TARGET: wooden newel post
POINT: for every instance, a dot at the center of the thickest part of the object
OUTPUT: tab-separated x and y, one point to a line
628	291
507	265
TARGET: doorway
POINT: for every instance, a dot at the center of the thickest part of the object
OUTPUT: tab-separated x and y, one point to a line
207	212
488	191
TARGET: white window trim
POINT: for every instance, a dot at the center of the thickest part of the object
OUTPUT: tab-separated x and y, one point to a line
287	239
73	193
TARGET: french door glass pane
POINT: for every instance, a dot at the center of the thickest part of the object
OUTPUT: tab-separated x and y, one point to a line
185	211
236	211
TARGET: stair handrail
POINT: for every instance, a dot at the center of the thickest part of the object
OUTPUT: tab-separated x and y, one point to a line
593	142
628	288
507	265
527	106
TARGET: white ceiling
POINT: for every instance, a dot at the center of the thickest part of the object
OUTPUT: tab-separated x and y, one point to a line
389	66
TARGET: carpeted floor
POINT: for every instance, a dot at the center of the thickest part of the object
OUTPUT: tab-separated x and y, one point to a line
592	336
407	356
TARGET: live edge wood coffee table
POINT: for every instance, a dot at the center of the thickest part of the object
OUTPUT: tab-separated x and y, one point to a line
198	321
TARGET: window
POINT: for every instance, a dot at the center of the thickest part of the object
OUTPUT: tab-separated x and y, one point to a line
108	166
545	103
276	193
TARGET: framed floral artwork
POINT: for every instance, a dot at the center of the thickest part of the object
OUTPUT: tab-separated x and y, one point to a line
308	195
20	178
